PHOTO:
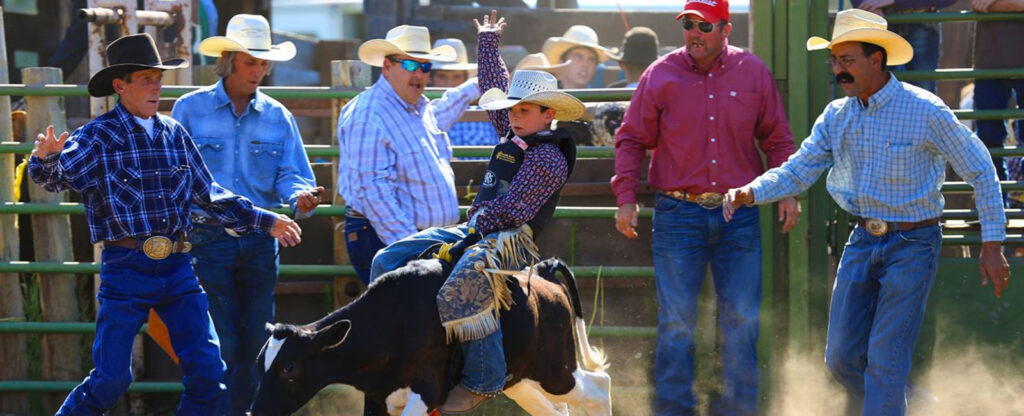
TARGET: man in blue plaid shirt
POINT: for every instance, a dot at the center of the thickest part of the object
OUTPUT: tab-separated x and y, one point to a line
887	143
139	172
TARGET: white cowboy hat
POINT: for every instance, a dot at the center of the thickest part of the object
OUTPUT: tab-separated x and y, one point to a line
539	62
404	40
536	87
576	35
856	25
249	33
461	57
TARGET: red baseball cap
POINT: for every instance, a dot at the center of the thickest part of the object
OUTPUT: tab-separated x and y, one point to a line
711	11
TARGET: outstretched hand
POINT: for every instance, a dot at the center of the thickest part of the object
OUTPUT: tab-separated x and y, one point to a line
286	231
738	197
49	144
491	23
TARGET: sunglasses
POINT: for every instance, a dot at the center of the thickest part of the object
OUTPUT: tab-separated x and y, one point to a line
702	26
411	65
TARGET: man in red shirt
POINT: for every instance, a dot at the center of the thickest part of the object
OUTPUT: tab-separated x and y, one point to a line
703	110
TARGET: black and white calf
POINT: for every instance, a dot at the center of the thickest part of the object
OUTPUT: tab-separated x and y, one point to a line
389	343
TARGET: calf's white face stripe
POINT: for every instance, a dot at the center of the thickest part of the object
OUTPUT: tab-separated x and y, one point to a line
273	347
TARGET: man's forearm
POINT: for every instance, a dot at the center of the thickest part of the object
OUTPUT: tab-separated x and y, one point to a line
1006	6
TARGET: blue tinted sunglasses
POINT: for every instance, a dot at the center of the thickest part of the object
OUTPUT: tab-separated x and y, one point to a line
411	65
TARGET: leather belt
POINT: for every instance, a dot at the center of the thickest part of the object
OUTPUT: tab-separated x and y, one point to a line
878	228
157	247
707	200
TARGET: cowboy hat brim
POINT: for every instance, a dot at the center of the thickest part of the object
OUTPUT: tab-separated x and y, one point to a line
555	47
896	48
567	107
213	46
555	69
373	52
101	83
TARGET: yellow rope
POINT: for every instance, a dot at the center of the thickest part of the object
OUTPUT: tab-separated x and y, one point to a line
19	175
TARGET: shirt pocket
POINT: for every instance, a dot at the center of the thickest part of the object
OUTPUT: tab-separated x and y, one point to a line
266	157
180	183
902	162
125	190
212	150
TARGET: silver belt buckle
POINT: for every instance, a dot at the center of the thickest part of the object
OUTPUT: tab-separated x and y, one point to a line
709	200
876	227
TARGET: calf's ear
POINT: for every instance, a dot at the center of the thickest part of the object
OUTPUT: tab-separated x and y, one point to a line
333	335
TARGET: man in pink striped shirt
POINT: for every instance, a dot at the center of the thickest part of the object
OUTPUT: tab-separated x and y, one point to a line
704	111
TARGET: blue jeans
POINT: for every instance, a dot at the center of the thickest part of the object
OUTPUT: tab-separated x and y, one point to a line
238	274
926	39
878	304
686	238
362	243
401	252
484	369
131	284
994	94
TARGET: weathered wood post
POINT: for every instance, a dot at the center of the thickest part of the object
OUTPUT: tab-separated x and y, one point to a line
13	365
51	239
344	74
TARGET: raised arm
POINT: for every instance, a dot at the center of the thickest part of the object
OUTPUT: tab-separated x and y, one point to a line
60	163
491	70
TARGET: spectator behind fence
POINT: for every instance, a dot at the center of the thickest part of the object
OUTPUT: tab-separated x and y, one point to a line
925	37
451	75
639	50
252	146
579	47
704	111
994	43
886	144
139	173
395	170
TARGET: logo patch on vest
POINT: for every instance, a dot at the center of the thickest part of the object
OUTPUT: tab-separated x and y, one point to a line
489	179
505	157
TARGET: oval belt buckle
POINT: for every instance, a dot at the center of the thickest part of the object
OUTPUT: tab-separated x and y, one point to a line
709	200
157	247
876	227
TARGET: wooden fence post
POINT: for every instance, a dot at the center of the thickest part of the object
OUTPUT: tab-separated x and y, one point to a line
51	239
13	347
343	74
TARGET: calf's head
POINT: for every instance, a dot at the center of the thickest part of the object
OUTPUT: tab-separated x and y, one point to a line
294	366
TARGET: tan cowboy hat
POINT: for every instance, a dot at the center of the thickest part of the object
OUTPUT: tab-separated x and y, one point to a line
404	40
576	35
128	54
248	33
856	25
539	62
461	57
536	87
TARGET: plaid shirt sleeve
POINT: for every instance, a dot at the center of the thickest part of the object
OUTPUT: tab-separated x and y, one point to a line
801	170
74	167
972	161
233	211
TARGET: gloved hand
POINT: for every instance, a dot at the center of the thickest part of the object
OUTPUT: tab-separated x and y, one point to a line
452	252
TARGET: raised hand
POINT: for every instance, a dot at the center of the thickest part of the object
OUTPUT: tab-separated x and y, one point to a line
491	24
49	144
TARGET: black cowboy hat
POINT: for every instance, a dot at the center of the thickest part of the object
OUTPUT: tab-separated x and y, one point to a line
129	54
640	46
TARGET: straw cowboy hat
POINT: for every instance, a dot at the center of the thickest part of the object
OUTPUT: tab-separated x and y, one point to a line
577	35
856	25
129	54
404	40
249	33
535	87
539	62
461	57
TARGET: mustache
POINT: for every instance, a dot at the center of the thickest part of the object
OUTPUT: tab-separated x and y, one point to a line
844	77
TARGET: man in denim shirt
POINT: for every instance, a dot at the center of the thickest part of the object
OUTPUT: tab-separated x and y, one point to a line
252	146
139	173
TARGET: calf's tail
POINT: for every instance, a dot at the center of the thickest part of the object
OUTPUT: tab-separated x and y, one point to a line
591	358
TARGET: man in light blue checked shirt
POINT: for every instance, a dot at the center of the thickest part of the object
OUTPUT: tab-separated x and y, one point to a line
887	143
394	169
252	146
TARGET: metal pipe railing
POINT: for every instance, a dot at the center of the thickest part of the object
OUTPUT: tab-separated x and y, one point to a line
959	74
66	386
960	16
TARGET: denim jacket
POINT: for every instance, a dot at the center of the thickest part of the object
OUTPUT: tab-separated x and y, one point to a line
258	155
